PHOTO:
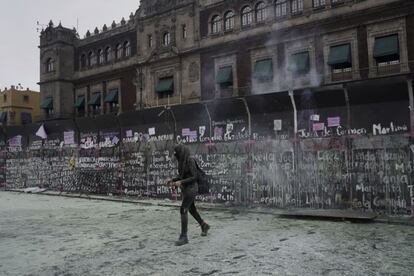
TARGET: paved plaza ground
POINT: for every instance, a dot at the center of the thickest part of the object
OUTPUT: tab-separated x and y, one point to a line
45	235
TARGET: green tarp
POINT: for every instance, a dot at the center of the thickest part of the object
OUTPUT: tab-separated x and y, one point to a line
300	63
112	96
165	85
47	103
95	100
340	54
386	46
225	75
80	102
263	69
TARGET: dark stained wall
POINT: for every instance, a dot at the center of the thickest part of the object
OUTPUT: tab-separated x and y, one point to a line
410	40
363	51
128	91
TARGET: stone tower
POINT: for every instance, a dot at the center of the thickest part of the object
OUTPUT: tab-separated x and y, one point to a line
57	57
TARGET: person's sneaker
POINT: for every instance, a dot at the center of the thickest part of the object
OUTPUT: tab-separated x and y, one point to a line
181	241
204	229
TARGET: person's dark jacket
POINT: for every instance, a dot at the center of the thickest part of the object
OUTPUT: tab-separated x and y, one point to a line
187	168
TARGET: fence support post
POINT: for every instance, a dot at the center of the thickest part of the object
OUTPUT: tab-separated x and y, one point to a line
249	119
209	120
295	113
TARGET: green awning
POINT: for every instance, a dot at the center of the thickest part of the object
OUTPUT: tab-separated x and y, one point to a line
386	46
263	69
47	103
95	100
225	75
300	63
80	102
165	85
340	54
112	96
3	116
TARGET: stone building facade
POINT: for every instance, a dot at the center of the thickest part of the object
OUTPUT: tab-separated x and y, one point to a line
146	61
19	106
274	46
185	51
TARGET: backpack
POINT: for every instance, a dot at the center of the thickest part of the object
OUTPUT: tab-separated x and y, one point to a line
203	181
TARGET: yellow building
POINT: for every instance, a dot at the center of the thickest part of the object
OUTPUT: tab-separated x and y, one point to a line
19	107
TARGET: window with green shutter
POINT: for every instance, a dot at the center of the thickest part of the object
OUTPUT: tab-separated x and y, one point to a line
224	76
340	56
387	48
165	85
299	63
80	102
95	99
47	104
112	96
263	69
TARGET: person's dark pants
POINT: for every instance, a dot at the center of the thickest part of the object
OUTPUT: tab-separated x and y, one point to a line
189	194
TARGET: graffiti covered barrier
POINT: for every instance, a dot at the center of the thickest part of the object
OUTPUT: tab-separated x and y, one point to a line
251	153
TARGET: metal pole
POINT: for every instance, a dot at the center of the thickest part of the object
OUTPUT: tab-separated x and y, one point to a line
295	112
248	116
175	122
209	119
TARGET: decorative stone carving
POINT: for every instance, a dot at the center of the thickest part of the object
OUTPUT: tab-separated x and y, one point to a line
193	95
193	72
166	73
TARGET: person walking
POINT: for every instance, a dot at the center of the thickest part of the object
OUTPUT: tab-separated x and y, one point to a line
187	182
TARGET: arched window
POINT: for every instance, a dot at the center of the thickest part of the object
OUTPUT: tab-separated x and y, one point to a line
166	39
319	3
101	56
108	54
246	16
91	59
50	65
280	8
127	48
119	50
83	61
261	12
296	6
215	24
228	20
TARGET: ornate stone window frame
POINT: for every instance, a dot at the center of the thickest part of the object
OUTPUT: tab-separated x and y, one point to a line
258	54
260	12
385	28
229	20
340	38
226	60
310	79
246	16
